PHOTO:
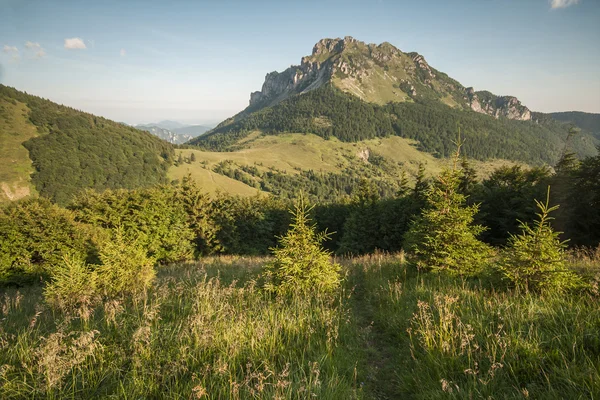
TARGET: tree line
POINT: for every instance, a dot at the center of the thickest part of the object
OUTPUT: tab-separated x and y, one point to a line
179	221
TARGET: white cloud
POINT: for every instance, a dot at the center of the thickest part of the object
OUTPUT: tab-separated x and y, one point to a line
10	49
75	44
562	3
38	50
123	53
32	45
13	51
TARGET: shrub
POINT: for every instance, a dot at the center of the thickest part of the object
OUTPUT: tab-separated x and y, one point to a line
151	217
301	264
72	286
35	235
126	267
535	259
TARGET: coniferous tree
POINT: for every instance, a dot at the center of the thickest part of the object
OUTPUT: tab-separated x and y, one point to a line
361	230
301	264
444	237
421	184
535	258
403	188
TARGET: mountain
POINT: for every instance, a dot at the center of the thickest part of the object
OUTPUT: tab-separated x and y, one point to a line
356	91
193	130
165	134
169	125
57	151
586	121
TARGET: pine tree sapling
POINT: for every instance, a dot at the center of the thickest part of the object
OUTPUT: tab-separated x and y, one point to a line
301	264
535	258
444	237
126	267
72	286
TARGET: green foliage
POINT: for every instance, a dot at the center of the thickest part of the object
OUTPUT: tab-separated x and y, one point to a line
586	121
72	285
506	197
535	259
581	190
248	225
362	230
35	235
444	237
78	150
200	211
318	186
301	265
152	217
126	268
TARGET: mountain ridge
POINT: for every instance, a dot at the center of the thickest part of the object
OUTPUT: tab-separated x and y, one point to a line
380	74
356	91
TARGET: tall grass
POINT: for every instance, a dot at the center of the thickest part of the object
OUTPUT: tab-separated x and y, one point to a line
458	338
206	330
200	333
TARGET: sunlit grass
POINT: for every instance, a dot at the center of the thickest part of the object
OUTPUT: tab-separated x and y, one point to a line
206	330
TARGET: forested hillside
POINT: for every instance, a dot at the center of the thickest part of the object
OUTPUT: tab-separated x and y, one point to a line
71	150
586	121
327	112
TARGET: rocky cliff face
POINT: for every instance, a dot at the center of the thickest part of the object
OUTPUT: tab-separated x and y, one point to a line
497	106
379	74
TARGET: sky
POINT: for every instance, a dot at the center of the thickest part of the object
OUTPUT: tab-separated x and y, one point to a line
198	61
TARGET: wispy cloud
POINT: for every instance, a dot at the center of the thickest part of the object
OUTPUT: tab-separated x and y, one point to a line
75	44
554	4
13	51
123	53
38	50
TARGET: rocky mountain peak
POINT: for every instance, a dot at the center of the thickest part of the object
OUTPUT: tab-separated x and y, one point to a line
379	74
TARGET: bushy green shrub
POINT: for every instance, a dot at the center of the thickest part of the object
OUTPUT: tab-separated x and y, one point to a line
152	217
72	286
535	258
126	267
301	264
35	235
249	225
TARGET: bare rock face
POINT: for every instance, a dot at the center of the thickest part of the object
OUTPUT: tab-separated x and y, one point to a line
497	106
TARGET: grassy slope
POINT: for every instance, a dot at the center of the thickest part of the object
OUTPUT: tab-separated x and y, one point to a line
291	152
15	128
206	331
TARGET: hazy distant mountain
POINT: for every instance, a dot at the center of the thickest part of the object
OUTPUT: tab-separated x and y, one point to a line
167	124
192	130
165	134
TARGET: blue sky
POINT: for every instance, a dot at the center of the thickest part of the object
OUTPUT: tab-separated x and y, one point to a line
198	61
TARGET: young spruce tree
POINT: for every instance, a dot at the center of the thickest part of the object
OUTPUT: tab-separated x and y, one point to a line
535	259
301	264
444	237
